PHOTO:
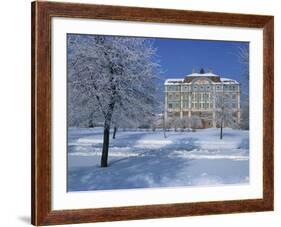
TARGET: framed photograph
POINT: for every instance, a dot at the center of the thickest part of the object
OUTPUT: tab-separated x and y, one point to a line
142	113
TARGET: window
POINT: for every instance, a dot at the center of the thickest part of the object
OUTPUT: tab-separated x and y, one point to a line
185	105
185	88
193	97
205	96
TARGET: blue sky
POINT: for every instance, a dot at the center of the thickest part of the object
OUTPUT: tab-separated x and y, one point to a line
179	56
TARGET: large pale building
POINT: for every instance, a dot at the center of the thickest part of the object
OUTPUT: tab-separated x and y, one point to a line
197	94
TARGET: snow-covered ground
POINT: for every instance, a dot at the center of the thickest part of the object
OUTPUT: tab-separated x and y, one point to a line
143	159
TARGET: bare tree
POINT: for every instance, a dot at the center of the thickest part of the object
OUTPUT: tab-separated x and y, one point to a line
168	124
243	58
113	75
225	114
176	121
164	125
130	117
195	122
185	123
244	123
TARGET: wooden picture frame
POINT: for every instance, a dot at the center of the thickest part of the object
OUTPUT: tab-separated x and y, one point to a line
42	12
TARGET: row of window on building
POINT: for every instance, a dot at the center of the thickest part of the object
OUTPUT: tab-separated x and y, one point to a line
195	105
197	87
198	97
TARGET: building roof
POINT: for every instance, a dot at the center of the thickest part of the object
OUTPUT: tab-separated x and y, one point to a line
173	81
213	77
228	81
202	75
190	77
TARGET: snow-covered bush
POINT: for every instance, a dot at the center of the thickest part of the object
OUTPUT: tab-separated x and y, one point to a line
195	122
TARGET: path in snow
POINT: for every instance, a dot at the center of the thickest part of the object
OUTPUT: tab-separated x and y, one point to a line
141	159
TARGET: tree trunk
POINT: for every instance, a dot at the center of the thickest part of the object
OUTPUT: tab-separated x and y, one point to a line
114	132
221	130
105	146
164	127
108	118
106	133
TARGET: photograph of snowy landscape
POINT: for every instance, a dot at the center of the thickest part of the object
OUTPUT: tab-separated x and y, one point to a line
156	112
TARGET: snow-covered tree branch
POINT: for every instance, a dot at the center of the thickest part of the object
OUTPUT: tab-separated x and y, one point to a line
111	79
243	58
224	114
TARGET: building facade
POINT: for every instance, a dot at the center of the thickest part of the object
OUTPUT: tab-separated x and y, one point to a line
199	94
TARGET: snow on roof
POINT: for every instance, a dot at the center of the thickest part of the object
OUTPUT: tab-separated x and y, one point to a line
188	78
228	81
203	75
173	81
